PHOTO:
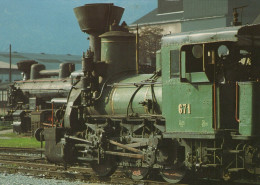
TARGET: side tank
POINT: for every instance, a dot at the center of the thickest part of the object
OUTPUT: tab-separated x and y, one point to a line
249	106
131	95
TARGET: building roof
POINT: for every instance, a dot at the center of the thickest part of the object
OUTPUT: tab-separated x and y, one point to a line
166	6
49	60
199	10
6	65
154	18
4	85
257	20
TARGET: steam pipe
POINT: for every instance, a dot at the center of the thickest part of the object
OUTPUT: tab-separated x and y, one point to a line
95	46
39	71
137	49
49	72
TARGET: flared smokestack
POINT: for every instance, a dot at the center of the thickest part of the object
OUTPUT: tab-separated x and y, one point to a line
25	67
95	20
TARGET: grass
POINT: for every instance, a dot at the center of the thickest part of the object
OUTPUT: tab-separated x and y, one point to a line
5	127
14	140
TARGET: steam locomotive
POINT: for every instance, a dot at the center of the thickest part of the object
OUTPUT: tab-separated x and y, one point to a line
40	97
197	114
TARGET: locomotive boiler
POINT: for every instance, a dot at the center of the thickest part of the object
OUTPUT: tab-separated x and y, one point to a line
33	100
197	115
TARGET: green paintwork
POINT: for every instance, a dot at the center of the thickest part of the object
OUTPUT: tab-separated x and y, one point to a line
176	93
199	96
119	96
192	103
211	109
197	77
249	108
158	61
118	50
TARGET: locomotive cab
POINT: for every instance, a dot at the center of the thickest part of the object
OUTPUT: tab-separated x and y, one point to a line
211	94
210	74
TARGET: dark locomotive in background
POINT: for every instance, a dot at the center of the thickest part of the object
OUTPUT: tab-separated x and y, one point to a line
199	113
39	97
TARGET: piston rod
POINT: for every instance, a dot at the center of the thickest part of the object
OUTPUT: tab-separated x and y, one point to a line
137	156
125	147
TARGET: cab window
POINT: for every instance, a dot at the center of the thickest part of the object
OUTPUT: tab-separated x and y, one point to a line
174	63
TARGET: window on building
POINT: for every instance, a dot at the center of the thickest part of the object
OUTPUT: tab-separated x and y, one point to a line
167	6
4	95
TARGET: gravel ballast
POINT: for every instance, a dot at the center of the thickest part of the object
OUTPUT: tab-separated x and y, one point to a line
18	179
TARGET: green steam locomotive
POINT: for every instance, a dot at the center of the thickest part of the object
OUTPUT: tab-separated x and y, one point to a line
199	113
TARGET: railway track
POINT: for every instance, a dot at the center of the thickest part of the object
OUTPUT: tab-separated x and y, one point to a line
29	161
21	154
84	174
19	150
56	171
37	166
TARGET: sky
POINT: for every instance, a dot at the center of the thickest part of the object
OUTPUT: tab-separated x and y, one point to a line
49	26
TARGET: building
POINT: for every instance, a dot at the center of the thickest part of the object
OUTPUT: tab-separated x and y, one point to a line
3	98
176	16
5	70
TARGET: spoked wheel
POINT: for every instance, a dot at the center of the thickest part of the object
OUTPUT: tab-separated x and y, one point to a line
174	174
105	168
138	173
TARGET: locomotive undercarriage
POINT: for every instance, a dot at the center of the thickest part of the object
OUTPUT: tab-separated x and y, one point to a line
222	158
139	147
130	143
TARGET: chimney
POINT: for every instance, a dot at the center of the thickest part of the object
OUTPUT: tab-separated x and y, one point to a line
95	19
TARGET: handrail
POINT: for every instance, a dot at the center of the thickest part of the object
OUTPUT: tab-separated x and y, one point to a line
237	96
215	106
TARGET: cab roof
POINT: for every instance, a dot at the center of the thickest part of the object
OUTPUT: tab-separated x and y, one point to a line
249	34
